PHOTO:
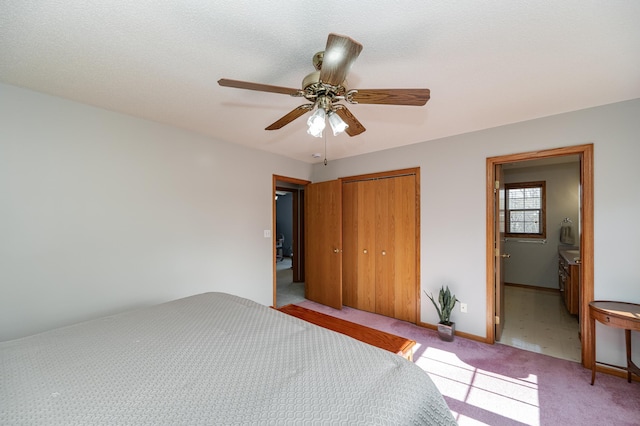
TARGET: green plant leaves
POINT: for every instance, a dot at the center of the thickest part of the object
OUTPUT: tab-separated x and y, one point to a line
444	307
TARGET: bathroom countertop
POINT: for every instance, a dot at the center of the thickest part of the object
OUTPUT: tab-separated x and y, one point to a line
571	255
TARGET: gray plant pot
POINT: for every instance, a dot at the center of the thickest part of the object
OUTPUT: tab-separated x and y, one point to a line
446	332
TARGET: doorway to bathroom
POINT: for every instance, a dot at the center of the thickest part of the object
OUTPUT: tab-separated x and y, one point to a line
544	278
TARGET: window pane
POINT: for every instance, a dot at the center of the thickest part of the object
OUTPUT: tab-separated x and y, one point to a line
531	228
516	198
516	221
532	192
532	222
516	216
516	203
516	193
532	216
524	221
532	203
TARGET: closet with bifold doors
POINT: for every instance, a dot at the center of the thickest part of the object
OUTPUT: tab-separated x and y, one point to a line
380	241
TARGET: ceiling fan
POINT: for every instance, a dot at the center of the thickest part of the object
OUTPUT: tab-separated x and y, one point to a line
325	88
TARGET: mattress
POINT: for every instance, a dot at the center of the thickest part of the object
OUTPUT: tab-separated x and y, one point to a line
212	358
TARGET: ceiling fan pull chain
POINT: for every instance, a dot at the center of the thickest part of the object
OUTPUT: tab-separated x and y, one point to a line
325	148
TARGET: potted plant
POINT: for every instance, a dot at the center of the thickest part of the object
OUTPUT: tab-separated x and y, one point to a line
446	302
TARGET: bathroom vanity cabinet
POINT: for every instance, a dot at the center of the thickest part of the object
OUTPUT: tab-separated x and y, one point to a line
569	279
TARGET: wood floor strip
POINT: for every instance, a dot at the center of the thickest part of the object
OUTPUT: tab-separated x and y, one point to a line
381	339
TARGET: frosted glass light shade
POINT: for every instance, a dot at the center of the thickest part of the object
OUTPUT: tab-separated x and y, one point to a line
316	123
337	124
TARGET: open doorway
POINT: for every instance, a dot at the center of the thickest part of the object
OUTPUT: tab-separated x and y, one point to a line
288	240
496	254
541	195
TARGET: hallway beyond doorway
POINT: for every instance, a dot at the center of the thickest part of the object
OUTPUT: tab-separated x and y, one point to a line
287	291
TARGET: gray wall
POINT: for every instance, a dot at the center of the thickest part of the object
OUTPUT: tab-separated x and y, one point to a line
102	212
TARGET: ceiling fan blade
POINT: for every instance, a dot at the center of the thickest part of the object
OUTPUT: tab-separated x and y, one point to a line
415	97
340	53
289	117
257	86
355	127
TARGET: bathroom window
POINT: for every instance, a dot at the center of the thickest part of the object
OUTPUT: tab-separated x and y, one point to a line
525	210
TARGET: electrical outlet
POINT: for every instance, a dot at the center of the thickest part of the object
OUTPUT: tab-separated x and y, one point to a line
463	308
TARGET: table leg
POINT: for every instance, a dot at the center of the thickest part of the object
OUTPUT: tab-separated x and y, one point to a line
592	330
627	338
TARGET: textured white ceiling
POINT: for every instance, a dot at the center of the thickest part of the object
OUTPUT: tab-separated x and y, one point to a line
487	63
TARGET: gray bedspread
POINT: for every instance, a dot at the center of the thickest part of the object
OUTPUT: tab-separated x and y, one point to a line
209	359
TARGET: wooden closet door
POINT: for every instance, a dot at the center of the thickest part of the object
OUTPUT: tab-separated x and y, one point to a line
358	228
396	247
367	243
350	244
323	243
403	213
385	247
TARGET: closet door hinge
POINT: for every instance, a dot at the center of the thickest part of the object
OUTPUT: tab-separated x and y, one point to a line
497	319
496	186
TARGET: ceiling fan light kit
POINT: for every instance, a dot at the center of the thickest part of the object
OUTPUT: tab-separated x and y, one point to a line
316	123
337	124
324	88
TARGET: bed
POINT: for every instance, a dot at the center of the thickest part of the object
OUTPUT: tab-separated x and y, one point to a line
212	358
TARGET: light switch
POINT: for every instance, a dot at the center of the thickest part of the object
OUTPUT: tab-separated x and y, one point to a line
267	233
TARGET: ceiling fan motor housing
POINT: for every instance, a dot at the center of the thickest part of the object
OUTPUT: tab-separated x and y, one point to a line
311	79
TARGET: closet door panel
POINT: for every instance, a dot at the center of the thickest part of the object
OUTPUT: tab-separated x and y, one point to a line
403	206
367	238
323	243
350	244
385	250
